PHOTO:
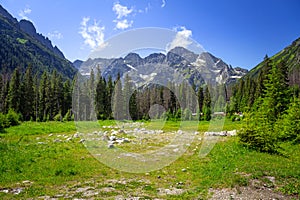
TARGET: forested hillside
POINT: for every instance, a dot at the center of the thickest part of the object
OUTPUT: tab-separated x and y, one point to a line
269	98
18	49
251	86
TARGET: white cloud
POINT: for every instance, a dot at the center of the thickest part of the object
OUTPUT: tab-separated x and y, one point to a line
121	11
93	34
123	24
55	35
23	13
163	3
182	38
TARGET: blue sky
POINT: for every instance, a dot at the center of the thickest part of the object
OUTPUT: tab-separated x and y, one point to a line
240	32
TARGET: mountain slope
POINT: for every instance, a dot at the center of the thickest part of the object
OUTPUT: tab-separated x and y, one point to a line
19	48
290	56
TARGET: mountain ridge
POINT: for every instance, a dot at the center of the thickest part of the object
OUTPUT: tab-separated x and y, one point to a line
179	60
290	55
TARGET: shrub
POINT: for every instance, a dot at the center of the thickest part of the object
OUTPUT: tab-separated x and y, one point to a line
259	134
187	115
68	116
288	127
13	118
57	117
3	121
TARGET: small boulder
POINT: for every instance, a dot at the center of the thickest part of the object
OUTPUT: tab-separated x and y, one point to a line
57	141
82	141
112	138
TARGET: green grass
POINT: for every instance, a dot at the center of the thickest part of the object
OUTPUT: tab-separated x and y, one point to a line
55	167
22	41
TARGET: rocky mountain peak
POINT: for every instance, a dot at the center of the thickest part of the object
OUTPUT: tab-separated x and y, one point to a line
155	58
133	57
184	53
27	26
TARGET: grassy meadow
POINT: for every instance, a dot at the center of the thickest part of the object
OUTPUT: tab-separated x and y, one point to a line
41	161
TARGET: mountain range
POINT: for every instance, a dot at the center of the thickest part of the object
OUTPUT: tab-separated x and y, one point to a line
196	68
21	46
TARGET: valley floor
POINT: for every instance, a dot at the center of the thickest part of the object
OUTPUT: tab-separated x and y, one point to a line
50	161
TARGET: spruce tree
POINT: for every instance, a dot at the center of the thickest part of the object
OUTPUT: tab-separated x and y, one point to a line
260	132
127	91
207	105
109	90
36	97
118	100
1	93
200	95
67	97
14	92
288	128
133	109
100	100
28	95
44	97
276	98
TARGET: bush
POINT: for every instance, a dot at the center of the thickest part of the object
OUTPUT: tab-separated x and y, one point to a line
68	116
288	127
3	121
57	117
187	115
258	134
13	118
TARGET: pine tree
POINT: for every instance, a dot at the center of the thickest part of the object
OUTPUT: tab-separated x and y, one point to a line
109	90
36	97
118	101
1	92
101	99
14	93
127	91
288	127
200	98
56	95
260	132
92	93
207	105
44	97
28	95
67	98
133	109
276	98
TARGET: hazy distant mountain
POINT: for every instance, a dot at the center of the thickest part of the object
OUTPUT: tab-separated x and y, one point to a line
197	69
77	63
21	46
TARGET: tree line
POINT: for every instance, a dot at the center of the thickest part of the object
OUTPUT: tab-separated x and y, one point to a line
30	97
100	98
36	98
